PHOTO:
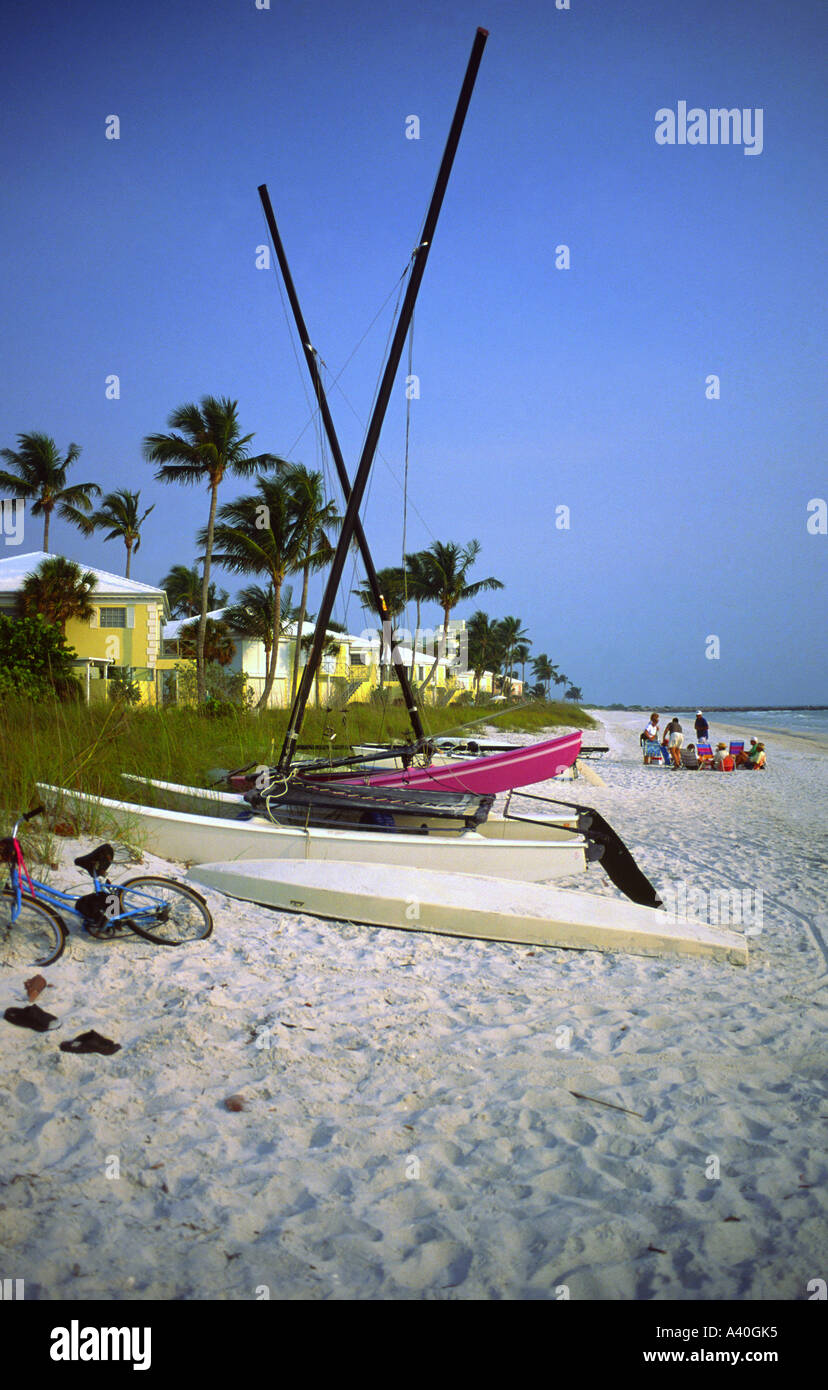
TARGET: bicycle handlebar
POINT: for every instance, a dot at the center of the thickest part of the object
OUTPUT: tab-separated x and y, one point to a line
30	815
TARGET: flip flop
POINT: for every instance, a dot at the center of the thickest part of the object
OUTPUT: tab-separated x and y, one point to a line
32	1016
91	1042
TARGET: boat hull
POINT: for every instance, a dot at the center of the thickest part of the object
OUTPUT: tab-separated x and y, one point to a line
493	848
490	909
498	772
207	801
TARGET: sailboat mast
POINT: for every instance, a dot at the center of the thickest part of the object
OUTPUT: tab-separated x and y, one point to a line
381	405
339	462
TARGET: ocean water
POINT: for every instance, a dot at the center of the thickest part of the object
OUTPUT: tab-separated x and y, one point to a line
794	721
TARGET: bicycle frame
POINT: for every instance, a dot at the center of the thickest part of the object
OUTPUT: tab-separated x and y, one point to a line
65	902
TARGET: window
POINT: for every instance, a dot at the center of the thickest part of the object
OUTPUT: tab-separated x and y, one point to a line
113	617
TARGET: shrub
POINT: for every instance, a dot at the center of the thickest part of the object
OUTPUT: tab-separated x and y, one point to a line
35	660
123	687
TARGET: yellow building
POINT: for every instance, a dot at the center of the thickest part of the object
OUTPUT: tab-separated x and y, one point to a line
120	642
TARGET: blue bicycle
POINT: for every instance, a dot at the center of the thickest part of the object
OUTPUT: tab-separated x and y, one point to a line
33	932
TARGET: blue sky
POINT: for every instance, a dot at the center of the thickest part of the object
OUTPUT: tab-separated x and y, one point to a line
540	387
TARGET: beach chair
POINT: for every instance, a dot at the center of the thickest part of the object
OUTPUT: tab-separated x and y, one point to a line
652	750
736	748
665	753
728	763
689	759
705	753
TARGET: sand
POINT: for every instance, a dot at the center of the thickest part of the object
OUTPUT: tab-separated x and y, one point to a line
409	1127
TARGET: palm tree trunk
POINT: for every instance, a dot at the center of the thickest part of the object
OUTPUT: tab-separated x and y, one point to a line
129	556
442	646
414	643
201	684
303	604
47	515
274	654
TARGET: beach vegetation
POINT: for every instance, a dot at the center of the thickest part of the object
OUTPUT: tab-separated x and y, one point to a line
262	534
183	586
120	516
205	446
89	746
35	661
58	590
37	474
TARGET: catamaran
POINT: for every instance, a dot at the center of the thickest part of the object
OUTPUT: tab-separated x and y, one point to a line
422	818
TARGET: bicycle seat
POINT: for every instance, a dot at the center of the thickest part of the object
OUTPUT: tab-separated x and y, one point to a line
97	861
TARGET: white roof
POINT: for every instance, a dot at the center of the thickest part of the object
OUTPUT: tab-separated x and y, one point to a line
16	568
372	644
173	630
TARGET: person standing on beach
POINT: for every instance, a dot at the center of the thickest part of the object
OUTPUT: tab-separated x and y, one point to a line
675	738
702	728
650	734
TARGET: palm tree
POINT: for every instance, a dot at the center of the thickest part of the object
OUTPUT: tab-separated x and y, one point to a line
275	549
251	616
119	511
209	446
513	634
485	646
59	590
544	671
521	656
574	693
418	585
218	644
330	647
314	516
39	476
448	567
392	587
183	587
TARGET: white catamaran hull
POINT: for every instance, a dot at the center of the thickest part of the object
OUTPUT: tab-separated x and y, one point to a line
463	905
500	848
207	800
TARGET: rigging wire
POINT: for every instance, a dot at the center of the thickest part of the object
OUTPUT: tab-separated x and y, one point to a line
313	408
314	415
407	440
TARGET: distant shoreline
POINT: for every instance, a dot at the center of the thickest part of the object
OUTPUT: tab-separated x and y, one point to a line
723	709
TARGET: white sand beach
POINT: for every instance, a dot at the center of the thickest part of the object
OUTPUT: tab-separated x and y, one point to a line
409	1127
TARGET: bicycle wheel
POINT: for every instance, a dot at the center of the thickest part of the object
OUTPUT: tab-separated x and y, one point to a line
163	911
36	937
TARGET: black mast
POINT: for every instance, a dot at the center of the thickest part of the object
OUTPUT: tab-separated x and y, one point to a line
310	358
375	426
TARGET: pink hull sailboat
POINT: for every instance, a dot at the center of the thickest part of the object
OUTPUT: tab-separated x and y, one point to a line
500	772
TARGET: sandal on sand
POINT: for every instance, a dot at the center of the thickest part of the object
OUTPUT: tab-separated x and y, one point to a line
91	1042
31	1017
